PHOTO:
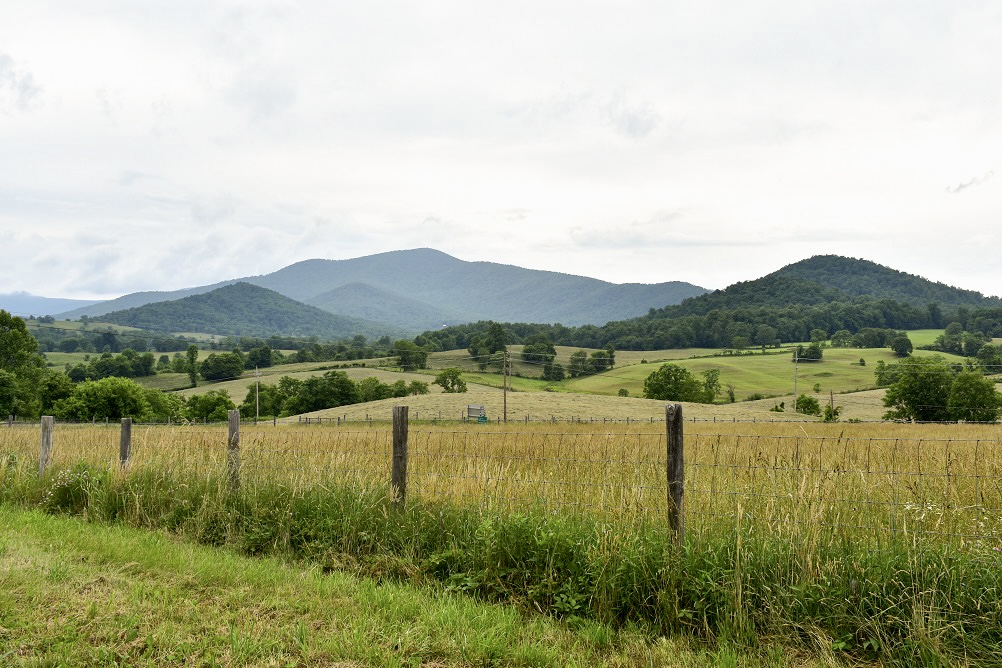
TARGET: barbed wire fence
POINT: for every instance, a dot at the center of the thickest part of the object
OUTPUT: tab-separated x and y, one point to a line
866	489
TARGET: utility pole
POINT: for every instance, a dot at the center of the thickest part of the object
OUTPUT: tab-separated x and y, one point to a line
504	384
257	394
796	369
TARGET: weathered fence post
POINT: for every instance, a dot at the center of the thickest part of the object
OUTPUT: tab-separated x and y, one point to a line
399	471
10	420
125	442
676	471
45	451
233	450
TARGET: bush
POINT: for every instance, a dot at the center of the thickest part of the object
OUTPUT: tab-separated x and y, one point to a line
213	406
808	405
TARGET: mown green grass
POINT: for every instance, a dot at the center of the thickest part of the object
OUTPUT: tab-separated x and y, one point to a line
78	593
923	337
771	374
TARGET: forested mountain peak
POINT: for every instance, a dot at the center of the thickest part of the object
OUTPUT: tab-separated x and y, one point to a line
242	309
857	277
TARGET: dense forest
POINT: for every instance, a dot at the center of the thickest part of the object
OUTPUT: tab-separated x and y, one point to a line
827	293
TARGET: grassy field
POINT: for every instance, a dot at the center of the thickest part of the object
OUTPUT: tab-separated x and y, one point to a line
870	542
75	593
768	374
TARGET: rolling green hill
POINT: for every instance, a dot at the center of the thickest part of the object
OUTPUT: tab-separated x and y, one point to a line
242	309
830	278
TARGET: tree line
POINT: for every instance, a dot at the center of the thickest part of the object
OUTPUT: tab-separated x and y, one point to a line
729	327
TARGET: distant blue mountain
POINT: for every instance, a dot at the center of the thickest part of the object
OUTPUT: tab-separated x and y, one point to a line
418	289
24	304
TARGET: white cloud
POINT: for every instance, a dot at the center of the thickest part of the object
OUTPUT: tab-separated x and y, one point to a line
18	89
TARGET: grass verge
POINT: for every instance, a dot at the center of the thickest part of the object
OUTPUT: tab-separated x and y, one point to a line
803	585
78	593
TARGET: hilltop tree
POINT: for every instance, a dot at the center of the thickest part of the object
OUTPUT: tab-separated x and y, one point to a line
901	345
672	382
451	380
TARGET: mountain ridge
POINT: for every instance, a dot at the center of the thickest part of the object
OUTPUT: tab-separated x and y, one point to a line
464	291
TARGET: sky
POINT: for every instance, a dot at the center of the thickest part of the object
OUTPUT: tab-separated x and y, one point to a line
162	145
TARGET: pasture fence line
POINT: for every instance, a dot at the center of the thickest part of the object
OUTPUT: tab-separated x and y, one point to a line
842	481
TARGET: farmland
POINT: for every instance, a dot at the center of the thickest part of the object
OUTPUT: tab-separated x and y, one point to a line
769	374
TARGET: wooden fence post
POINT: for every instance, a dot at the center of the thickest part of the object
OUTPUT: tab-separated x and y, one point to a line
676	471
45	451
10	420
233	450
399	471
125	442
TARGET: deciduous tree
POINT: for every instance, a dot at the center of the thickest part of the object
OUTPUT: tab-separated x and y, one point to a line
973	398
672	382
921	391
451	380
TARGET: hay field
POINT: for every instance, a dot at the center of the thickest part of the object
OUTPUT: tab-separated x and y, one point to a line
544	406
941	482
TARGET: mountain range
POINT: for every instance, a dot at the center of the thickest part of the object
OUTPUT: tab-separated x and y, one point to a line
404	292
421	289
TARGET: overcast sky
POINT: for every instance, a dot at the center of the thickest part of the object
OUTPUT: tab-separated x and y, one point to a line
160	145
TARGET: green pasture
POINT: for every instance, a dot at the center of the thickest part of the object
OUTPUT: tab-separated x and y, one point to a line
770	374
924	337
60	359
91	326
461	358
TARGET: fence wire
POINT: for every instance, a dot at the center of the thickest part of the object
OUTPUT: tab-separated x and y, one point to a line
785	481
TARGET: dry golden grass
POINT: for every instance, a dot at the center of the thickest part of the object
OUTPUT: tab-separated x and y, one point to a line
545	406
862	481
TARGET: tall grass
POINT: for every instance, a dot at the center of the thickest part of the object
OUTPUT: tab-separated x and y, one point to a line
877	541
